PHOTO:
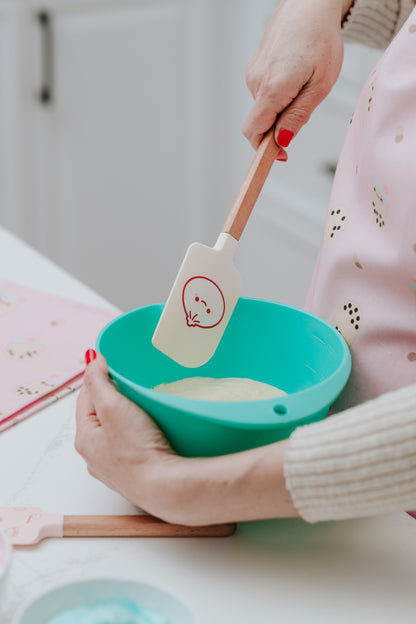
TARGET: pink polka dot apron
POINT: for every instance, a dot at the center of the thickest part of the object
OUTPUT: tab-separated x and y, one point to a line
364	281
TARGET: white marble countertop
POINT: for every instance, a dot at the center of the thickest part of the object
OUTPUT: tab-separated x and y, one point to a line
360	571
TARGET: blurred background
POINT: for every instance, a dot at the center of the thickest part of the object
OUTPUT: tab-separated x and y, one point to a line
120	143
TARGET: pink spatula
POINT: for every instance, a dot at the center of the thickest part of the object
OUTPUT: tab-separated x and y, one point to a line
208	284
29	525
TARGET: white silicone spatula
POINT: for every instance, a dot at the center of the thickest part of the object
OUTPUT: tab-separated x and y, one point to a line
25	526
208	284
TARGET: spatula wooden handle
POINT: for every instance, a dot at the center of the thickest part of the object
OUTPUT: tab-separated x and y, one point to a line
137	526
253	183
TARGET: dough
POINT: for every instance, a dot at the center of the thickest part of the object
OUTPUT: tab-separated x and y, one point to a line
111	611
222	389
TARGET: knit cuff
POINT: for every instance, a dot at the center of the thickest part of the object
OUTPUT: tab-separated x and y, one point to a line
360	462
375	22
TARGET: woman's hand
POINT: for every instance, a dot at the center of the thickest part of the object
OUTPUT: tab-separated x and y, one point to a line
120	443
294	68
124	449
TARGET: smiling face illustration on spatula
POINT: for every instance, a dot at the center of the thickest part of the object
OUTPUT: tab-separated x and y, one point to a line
203	302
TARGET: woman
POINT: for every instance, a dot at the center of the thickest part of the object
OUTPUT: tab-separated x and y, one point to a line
362	460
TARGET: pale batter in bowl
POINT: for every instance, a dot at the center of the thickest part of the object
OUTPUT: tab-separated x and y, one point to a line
222	389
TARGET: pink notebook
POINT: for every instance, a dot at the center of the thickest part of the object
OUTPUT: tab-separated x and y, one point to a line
43	339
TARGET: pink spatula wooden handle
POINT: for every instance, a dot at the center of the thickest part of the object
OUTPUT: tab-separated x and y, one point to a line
253	183
137	526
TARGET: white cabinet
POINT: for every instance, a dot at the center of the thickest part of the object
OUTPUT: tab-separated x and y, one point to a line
119	167
10	114
112	164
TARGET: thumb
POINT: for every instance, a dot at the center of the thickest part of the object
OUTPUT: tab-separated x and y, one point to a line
297	113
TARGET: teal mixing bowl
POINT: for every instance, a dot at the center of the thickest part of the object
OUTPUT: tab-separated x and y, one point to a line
269	342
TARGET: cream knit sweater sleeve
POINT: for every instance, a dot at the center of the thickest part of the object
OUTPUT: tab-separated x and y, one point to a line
375	22
358	462
361	461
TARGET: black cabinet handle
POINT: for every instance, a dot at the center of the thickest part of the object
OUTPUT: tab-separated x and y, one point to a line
45	93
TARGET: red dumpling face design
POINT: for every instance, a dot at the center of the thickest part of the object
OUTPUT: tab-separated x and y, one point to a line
203	302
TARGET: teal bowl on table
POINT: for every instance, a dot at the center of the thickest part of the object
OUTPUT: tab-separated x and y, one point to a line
265	341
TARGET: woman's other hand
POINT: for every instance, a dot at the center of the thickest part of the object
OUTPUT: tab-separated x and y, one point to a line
294	68
119	442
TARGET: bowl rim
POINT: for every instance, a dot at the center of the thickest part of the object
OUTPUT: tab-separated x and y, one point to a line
284	410
96	580
8	555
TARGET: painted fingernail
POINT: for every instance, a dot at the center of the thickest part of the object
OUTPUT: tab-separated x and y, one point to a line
283	158
284	137
90	355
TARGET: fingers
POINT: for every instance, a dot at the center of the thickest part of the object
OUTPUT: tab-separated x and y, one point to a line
114	411
270	100
289	114
87	417
85	411
87	422
297	114
99	386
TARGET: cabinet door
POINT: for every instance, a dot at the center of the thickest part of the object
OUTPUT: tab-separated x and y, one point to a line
114	159
10	116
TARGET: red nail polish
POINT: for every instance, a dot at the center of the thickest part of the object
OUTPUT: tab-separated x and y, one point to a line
284	137
90	355
282	158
